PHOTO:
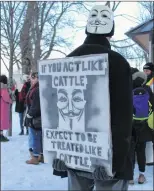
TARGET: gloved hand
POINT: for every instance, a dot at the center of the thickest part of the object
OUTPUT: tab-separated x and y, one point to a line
59	165
28	121
101	174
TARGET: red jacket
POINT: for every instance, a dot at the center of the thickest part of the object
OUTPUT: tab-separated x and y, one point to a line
24	91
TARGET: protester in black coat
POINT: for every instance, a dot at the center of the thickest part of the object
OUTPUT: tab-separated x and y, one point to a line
139	80
148	69
120	87
141	132
120	84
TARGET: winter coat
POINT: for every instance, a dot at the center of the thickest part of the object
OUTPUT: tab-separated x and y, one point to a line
20	105
5	106
141	131
120	86
150	83
24	91
33	103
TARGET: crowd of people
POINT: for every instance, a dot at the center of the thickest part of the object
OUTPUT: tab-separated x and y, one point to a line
28	107
143	107
132	107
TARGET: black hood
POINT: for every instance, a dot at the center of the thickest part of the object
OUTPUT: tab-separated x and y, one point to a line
134	70
139	79
97	39
149	66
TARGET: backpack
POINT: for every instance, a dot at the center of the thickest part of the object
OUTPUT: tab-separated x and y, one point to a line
141	105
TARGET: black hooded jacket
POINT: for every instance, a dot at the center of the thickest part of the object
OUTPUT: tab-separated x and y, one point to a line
140	81
141	131
120	85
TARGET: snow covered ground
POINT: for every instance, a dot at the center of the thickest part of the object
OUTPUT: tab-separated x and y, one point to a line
17	175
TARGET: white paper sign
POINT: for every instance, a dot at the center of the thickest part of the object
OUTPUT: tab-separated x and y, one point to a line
75	110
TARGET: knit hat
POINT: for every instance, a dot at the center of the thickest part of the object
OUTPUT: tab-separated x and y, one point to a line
149	66
25	77
139	77
133	70
34	75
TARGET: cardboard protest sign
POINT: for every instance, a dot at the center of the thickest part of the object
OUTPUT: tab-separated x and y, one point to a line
75	109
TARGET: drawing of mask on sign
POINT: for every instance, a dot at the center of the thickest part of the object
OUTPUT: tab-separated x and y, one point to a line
100	21
71	106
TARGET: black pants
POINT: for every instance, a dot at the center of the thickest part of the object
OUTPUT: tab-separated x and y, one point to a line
139	152
79	183
153	140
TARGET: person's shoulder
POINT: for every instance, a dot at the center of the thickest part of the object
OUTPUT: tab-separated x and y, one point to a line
27	83
148	88
24	85
75	52
115	55
115	59
37	89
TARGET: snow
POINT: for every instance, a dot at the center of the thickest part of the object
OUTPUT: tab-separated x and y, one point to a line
17	175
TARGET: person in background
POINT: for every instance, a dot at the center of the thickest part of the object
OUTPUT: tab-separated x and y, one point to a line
143	106
20	108
22	102
33	122
5	105
148	69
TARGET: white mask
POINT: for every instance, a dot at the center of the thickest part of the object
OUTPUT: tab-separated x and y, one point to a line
100	20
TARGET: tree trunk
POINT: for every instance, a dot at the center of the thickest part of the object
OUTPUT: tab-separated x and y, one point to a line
37	49
25	39
11	64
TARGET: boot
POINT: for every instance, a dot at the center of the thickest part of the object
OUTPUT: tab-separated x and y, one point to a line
22	132
27	131
141	179
31	154
150	164
33	160
3	139
41	158
131	182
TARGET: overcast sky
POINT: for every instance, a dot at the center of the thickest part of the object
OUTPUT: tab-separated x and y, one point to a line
122	25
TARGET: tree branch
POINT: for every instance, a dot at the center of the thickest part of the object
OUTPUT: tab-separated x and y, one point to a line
4	63
115	6
128	46
59	51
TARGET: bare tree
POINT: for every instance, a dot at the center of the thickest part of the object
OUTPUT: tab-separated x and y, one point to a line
146	10
25	38
9	39
127	47
11	22
113	5
43	27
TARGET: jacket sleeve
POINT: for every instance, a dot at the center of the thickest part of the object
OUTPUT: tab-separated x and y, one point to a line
35	110
151	97
121	105
22	94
